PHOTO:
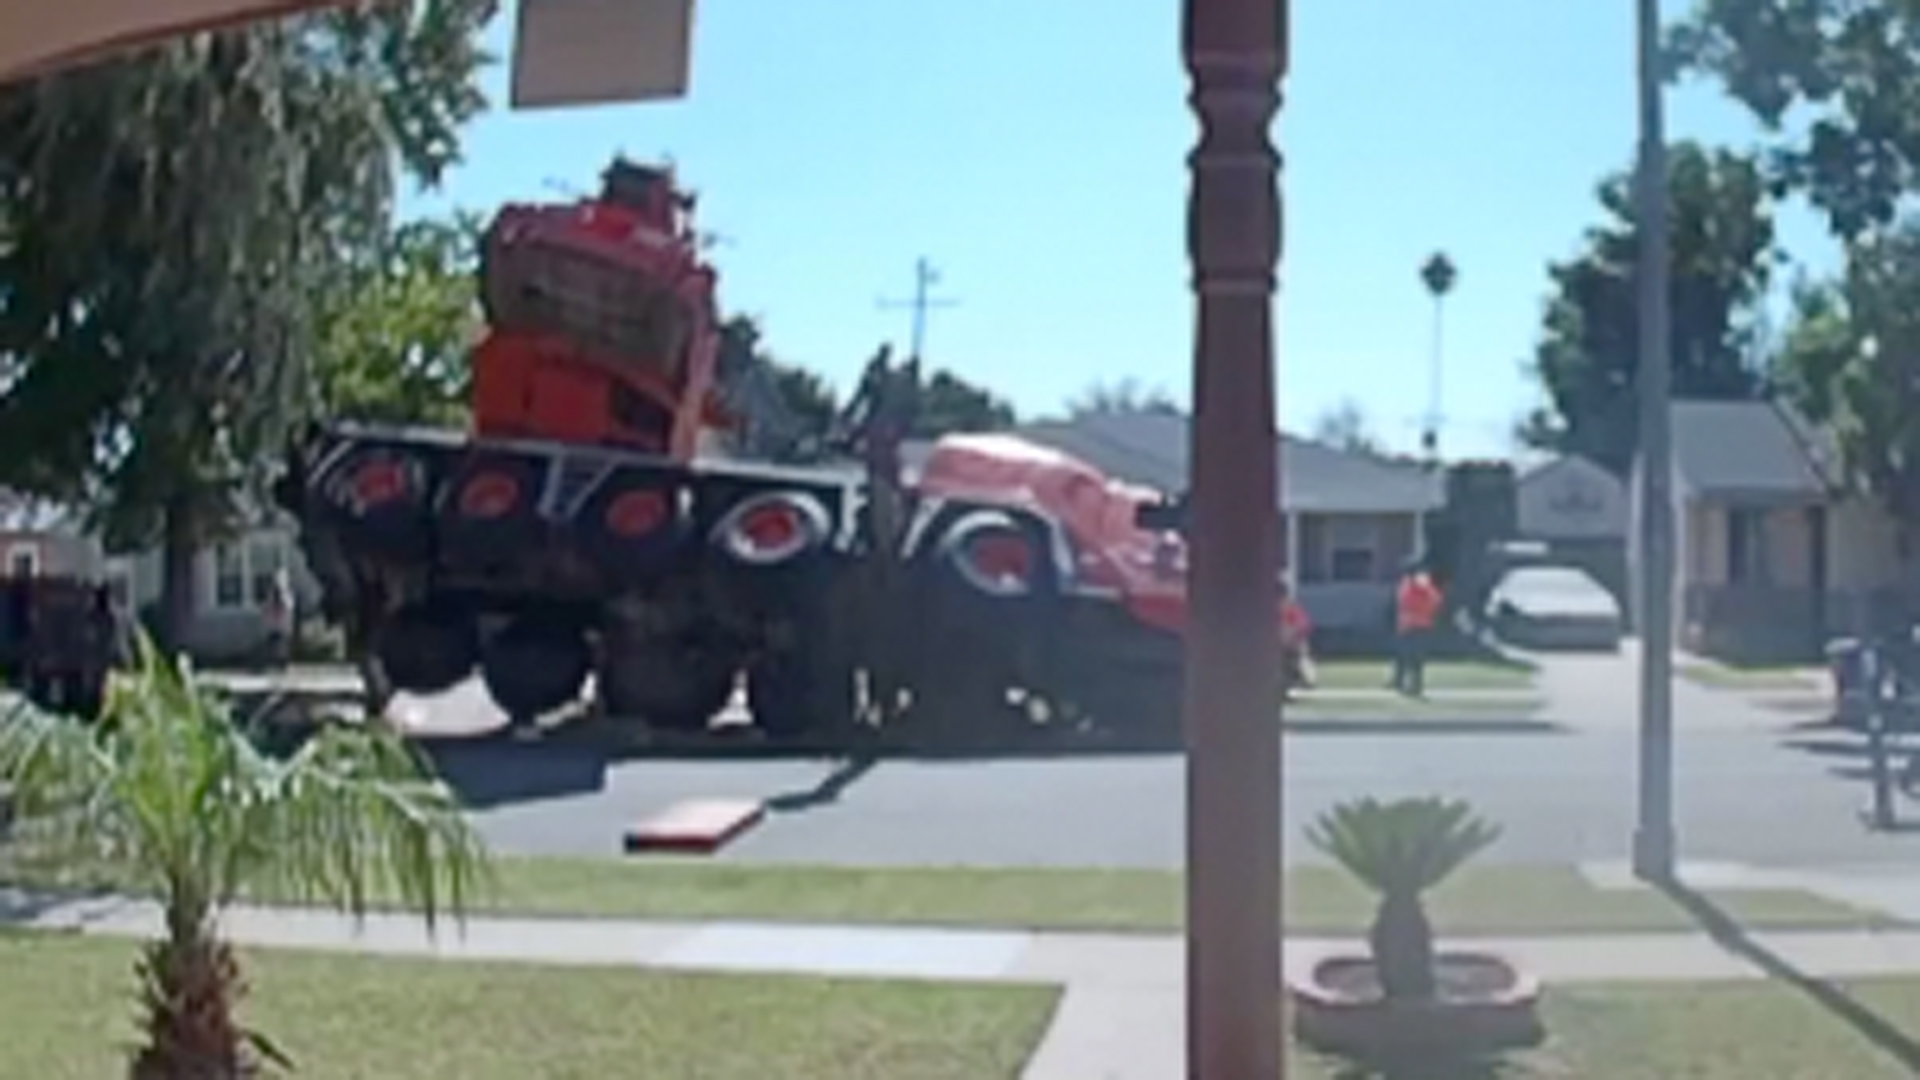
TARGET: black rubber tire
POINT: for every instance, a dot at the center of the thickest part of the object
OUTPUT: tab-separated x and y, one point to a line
800	692
426	648
631	684
534	666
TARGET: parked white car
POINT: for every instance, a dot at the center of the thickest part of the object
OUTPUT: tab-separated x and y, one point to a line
1555	607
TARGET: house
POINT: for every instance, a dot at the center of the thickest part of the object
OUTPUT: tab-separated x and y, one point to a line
232	583
1774	550
232	580
1351	521
38	537
1578	512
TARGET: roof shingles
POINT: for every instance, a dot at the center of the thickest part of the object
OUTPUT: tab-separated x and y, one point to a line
1749	450
1151	449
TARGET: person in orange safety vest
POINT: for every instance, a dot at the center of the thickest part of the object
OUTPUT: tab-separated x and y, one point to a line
1296	655
1416	605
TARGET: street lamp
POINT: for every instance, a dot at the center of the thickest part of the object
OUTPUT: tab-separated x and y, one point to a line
1438	274
1653	838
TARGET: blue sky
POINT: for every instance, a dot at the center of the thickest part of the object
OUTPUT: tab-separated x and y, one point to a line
1036	153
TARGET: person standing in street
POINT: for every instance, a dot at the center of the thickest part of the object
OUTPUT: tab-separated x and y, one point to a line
1416	604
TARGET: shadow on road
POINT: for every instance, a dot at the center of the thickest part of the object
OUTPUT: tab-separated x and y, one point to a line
1731	936
827	791
492	772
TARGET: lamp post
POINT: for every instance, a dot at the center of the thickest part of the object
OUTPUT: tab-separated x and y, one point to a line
1235	53
1438	274
1653	838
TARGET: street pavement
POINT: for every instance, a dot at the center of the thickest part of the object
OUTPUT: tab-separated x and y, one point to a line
1750	787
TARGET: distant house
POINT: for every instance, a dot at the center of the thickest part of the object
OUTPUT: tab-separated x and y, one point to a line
1577	511
37	537
232	583
1351	520
1775	551
232	580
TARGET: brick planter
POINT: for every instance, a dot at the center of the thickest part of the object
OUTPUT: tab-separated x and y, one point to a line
1483	1006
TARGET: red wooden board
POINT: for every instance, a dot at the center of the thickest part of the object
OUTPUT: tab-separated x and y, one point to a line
698	826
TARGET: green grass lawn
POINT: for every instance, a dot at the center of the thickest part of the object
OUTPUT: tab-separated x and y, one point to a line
66	1005
66	1010
1756	677
1489	706
1713	1031
1321	900
1343	674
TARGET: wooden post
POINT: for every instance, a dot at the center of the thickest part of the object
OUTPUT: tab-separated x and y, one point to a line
1235	52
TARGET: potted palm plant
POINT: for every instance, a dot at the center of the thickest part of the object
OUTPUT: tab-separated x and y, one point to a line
167	798
1404	996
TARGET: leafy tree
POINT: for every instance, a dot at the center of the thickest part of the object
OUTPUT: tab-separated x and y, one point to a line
783	411
176	221
1851	361
396	345
950	404
1124	396
1589	352
1346	426
1832	80
171	800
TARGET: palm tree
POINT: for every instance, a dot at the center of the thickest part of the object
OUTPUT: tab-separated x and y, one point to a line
1400	850
170	797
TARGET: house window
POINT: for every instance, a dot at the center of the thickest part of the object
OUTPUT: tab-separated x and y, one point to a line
1353	549
23	560
243	572
265	559
229	576
1747	561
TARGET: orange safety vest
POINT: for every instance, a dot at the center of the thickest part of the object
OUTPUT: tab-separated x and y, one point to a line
1418	602
1294	624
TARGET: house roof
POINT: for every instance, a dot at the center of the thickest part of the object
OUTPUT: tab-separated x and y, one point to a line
1751	449
1151	449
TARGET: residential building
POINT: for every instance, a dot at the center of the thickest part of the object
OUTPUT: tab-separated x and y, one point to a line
1775	549
1351	521
232	580
1578	512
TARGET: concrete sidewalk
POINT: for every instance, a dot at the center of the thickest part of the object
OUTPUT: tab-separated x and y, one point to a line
1120	1017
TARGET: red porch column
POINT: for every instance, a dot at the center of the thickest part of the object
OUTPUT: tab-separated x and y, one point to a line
1235	52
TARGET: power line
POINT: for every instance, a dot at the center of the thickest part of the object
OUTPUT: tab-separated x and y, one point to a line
925	277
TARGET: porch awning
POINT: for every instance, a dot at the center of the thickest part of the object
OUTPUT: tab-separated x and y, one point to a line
567	52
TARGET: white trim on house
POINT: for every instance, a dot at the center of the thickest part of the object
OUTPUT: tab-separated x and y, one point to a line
1294	575
24	559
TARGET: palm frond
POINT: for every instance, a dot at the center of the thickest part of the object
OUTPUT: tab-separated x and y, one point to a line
1404	847
169	790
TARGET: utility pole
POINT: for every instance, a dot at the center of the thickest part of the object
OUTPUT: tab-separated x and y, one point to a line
1653	838
925	277
1438	274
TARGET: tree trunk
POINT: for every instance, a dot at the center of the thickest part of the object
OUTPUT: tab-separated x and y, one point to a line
1402	941
179	547
190	984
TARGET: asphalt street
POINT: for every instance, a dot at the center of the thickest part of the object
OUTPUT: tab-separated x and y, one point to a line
1562	797
1750	787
